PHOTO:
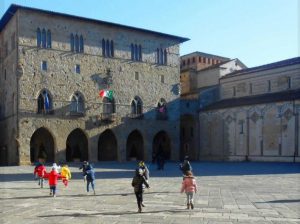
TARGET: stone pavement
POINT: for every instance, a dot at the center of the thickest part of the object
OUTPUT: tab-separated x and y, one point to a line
228	193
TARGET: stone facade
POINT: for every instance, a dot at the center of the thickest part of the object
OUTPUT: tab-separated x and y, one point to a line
257	116
200	87
278	79
121	133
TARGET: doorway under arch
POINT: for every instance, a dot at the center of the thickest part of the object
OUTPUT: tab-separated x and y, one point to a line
161	145
135	146
77	146
107	146
42	146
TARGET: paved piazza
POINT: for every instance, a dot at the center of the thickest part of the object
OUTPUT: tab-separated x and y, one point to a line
228	193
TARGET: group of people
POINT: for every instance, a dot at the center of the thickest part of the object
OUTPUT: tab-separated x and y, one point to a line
63	172
41	174
139	182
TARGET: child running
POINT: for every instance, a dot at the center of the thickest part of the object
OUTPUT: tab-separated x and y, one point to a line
145	170
189	186
90	178
137	182
39	173
53	176
83	168
66	174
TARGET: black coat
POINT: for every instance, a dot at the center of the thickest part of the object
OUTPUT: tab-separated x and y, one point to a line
137	183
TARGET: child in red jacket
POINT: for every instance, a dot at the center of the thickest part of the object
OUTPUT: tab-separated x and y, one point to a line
39	173
189	186
53	176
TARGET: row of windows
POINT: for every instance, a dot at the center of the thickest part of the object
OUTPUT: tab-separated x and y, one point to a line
200	60
77	70
77	45
269	86
44	67
45	104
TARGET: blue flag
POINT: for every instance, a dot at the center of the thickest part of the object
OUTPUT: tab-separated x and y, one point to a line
47	103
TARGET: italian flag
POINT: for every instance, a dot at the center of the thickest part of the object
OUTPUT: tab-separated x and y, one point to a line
106	93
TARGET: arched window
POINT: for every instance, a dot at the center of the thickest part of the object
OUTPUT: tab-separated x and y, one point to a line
108	105
132	51
140	53
103	48
112	48
49	44
165	57
44	44
38	37
107	49
81	49
44	103
136	106
136	53
161	56
76	43
77	104
72	42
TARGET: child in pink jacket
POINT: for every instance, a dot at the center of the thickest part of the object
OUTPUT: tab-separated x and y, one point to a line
189	186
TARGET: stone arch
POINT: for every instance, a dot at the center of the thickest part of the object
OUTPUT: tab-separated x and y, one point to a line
161	144
107	146
77	146
42	146
135	146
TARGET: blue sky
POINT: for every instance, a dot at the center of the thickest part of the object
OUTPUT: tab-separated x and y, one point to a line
255	31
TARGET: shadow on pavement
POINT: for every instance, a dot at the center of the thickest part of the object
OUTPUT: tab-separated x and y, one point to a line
281	201
115	170
114	213
85	195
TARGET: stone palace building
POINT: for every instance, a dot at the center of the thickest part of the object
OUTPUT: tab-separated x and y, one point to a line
52	68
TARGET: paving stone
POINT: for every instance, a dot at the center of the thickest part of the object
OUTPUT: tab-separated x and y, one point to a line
268	198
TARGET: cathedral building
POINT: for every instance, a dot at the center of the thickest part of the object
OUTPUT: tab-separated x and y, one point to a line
256	117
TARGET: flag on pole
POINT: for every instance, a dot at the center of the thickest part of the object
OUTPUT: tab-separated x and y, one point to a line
47	103
106	93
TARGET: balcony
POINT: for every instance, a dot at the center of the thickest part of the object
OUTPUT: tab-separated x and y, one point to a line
135	116
161	116
76	114
108	117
